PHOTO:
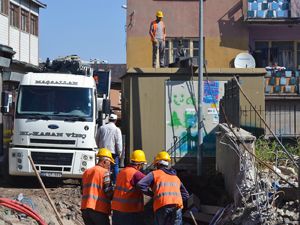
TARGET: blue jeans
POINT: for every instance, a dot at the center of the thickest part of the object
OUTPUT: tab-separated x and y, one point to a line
92	217
115	168
121	218
168	215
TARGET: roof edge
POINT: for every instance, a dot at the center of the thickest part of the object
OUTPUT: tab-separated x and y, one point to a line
40	4
240	71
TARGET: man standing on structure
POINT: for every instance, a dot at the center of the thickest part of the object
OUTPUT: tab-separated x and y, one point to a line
97	191
109	136
168	191
158	37
128	201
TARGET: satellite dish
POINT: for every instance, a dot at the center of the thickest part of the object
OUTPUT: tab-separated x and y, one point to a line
244	60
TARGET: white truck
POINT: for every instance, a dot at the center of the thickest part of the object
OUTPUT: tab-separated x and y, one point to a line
55	123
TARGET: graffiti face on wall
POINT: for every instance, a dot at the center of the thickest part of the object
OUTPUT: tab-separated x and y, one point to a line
181	114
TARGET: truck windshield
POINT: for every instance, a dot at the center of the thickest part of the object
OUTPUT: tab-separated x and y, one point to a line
61	102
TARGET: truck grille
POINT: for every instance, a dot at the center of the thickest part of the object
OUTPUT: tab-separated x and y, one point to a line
51	141
46	158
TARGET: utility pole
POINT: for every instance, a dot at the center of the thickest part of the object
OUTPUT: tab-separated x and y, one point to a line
200	91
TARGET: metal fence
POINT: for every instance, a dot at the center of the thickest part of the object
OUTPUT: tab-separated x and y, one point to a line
283	118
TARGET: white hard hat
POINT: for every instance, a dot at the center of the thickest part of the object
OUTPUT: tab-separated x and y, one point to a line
113	117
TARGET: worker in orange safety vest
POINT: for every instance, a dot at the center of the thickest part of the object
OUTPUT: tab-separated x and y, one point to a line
158	37
97	190
167	190
128	201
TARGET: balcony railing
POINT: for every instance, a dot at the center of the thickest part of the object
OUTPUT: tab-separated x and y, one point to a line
271	10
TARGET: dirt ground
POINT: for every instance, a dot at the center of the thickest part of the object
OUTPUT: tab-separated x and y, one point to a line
66	198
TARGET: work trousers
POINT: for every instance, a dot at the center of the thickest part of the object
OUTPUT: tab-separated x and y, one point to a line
168	216
92	217
122	218
158	47
115	168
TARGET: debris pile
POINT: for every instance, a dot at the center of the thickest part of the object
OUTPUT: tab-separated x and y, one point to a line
67	201
266	193
69	64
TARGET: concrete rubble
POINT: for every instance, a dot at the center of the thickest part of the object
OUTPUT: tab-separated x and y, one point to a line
261	196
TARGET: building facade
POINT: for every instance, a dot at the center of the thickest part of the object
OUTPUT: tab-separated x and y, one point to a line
19	22
19	53
268	29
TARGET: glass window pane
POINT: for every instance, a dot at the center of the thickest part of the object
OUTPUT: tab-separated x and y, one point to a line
167	44
261	53
298	56
186	43
282	54
175	43
55	101
195	52
195	44
167	59
187	52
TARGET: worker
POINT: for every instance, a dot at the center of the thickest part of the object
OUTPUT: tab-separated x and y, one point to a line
128	201
158	37
97	190
110	136
167	190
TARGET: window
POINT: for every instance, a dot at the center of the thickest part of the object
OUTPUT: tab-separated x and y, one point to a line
34	24
268	53
282	53
261	54
58	102
24	21
4	7
298	55
14	15
179	47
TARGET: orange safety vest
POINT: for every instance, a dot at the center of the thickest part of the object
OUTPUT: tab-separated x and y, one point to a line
93	195
154	24
126	197
166	190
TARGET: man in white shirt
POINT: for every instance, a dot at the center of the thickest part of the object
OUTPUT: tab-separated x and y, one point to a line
109	136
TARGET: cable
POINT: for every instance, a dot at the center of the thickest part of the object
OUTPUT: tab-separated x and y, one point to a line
22	208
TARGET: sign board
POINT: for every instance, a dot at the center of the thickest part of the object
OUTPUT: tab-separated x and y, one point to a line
181	115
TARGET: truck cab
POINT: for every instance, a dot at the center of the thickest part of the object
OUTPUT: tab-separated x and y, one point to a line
55	124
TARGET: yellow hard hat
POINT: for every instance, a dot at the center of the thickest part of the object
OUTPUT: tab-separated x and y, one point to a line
138	156
163	155
104	152
159	14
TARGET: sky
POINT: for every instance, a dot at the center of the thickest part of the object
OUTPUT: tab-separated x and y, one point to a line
92	29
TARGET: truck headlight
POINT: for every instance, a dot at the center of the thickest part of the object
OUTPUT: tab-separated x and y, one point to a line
85	157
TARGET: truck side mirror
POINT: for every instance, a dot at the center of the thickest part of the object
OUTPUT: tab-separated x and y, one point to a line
106	106
6	100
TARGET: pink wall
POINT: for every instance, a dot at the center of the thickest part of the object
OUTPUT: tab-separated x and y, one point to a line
274	33
181	17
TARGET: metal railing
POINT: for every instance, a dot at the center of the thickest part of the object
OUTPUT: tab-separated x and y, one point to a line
283	119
